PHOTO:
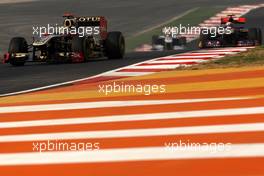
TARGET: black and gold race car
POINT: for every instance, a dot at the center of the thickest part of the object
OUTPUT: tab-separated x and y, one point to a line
78	40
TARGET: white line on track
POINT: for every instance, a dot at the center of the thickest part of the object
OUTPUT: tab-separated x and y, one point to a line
135	117
178	61
103	104
188	55
227	50
155	66
209	129
121	73
15	1
131	154
205	54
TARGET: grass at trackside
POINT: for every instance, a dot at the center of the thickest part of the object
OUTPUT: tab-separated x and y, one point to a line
252	57
193	18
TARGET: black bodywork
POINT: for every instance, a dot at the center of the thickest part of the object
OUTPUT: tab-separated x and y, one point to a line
239	35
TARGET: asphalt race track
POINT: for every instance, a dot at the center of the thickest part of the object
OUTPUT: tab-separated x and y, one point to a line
17	19
14	79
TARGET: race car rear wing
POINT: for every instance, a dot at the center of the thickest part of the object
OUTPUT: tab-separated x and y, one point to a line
237	20
72	21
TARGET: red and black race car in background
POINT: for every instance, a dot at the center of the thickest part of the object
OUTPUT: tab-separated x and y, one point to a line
68	47
238	36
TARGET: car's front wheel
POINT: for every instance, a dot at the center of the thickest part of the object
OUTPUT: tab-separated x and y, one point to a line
18	50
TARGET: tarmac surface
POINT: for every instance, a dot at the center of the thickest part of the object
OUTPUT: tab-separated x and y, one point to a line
129	17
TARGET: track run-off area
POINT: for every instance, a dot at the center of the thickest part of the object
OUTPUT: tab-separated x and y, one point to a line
132	129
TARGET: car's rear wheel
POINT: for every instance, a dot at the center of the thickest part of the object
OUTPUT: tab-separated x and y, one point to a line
203	40
168	46
115	45
182	41
259	36
18	46
254	34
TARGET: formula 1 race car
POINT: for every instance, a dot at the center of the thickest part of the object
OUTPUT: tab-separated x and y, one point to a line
236	34
167	42
67	45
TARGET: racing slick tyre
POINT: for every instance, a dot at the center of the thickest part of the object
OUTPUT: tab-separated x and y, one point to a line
254	34
77	44
259	36
18	45
115	45
203	40
82	45
182	41
156	40
168	46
